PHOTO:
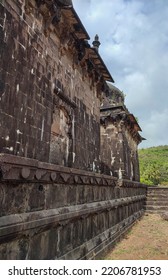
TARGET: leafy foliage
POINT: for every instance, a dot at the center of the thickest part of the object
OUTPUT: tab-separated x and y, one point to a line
154	165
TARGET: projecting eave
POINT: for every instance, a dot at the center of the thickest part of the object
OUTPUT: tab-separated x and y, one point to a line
79	31
112	108
98	61
82	28
140	138
74	20
134	122
143	139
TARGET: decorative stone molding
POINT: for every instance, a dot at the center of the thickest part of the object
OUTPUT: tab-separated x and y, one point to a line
131	184
14	168
61	216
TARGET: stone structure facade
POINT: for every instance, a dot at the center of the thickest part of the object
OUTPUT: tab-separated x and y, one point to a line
62	213
119	137
51	84
53	204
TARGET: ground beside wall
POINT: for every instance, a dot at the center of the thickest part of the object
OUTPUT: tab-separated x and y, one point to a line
147	240
61	213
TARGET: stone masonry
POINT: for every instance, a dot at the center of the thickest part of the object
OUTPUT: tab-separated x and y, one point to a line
119	137
62	213
60	196
51	82
157	198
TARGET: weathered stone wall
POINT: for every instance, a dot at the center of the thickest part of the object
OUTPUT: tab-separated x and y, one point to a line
52	212
111	150
119	151
120	137
49	109
50	119
131	161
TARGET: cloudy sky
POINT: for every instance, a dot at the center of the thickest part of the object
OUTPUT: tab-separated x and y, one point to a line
134	46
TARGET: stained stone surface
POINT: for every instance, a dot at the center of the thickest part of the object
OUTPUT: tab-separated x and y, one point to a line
54	201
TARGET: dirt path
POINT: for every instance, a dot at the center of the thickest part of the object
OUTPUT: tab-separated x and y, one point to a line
147	240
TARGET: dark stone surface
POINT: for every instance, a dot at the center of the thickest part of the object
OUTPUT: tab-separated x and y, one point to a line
31	64
56	221
50	211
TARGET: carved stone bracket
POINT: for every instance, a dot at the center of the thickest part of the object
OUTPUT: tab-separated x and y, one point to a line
51	9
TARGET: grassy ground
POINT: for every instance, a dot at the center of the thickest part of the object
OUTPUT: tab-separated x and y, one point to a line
147	240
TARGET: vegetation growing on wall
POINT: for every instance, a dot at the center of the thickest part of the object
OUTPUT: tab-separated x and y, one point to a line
154	165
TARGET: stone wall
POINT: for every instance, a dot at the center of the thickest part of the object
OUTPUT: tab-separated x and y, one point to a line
119	132
111	150
131	161
49	105
53	212
118	150
50	91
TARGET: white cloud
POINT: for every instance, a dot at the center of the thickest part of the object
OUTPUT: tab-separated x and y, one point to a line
155	129
134	46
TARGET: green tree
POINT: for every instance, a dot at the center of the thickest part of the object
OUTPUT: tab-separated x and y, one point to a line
154	165
151	175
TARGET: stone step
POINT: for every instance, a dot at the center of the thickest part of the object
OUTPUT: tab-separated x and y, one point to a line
152	207
157	195
158	202
154	211
157	199
157	189
159	192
